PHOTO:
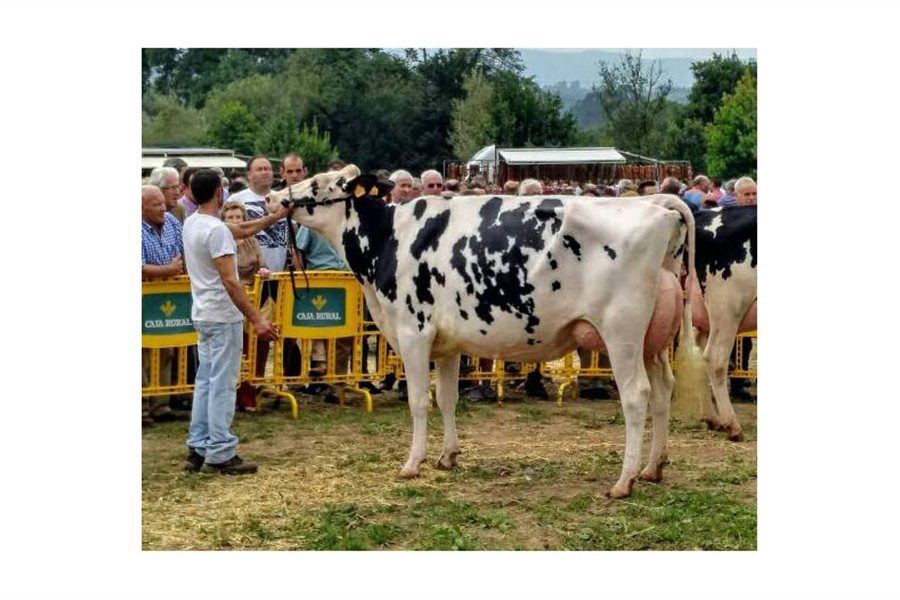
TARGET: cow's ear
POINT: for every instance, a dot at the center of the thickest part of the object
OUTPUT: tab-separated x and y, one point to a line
360	186
383	186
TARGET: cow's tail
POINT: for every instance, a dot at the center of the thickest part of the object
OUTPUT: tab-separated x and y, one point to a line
691	378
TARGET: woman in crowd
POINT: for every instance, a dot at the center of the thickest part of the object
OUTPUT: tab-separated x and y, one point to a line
250	262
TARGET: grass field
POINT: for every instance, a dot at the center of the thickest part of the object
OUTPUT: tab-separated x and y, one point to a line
532	476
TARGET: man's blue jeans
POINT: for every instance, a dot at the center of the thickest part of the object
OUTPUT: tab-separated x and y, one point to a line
219	346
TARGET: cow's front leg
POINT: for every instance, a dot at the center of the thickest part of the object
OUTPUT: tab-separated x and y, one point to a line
415	352
662	382
447	397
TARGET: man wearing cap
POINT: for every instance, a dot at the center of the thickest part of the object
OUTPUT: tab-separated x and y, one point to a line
626	188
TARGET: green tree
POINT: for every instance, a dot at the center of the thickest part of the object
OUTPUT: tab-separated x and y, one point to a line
235	127
633	98
731	138
191	73
165	122
471	120
713	78
686	140
283	135
524	115
368	100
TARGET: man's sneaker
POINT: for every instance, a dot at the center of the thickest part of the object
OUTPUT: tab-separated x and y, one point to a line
234	466
194	461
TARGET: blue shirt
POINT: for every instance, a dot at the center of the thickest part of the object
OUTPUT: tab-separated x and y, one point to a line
161	248
727	200
318	255
694	198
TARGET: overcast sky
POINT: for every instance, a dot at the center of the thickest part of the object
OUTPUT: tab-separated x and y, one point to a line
668	52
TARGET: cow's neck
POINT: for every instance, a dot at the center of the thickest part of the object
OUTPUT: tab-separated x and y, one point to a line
369	243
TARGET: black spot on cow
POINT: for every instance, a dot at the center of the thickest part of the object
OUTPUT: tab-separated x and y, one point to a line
377	264
531	341
546	211
419	209
464	314
573	245
314	187
500	252
422	281
458	262
430	233
718	253
409	305
439	277
421	317
458	299
610	252
556	285
483	332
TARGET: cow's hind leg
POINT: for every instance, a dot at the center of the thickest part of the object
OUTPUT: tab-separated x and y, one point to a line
710	413
662	382
718	349
447	396
634	390
415	353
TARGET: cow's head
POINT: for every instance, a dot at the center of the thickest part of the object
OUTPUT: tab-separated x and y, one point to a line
318	201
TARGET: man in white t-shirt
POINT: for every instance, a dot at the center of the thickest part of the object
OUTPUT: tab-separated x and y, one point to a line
219	307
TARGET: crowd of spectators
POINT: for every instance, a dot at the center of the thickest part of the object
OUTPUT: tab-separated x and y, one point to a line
168	201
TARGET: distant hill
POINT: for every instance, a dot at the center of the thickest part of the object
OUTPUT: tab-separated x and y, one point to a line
549	67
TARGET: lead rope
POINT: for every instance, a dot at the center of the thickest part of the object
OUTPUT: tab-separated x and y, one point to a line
293	244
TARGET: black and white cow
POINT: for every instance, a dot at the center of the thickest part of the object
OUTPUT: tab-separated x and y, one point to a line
726	269
518	278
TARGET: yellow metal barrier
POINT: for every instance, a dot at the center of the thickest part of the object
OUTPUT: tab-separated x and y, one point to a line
332	311
166	324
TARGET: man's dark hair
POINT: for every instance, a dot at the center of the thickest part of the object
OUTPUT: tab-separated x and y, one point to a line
186	176
253	160
644	185
337	165
175	163
716	181
204	184
452	185
383	174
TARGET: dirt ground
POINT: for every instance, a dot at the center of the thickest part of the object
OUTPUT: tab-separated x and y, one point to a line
531	476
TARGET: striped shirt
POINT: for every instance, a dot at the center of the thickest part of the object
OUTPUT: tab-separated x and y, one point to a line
161	248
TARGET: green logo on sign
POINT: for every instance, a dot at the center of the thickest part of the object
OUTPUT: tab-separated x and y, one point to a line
166	314
324	307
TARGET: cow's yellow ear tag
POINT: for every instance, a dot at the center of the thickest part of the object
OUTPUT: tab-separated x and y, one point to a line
359	192
374	191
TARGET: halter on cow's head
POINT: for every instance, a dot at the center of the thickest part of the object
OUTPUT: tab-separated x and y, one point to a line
326	189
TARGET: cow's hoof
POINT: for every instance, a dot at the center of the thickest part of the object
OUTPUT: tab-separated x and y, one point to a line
713	424
735	433
655	474
619	491
406	473
446	462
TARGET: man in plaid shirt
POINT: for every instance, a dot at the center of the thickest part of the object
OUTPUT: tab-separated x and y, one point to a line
162	254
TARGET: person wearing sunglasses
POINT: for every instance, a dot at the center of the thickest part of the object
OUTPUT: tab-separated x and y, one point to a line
432	183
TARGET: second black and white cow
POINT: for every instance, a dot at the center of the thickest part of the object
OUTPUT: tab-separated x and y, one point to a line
518	278
726	271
